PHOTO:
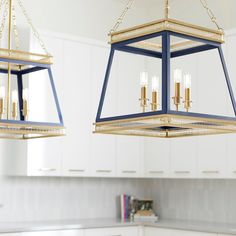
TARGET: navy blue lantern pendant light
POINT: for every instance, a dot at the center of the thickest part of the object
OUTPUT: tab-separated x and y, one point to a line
16	65
166	122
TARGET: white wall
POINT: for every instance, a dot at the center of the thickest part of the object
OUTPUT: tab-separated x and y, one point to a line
38	199
86	18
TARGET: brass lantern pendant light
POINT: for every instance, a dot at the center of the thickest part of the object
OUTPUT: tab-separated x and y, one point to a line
15	65
159	119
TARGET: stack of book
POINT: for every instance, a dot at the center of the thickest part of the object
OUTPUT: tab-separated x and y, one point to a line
137	210
125	203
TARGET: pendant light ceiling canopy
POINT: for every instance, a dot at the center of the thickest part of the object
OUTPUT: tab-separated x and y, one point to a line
157	40
16	68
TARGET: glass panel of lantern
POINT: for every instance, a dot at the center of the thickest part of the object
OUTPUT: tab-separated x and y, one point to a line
197	80
38	100
203	88
134	84
41	102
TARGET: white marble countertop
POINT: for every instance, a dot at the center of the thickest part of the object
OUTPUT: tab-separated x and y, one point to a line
14	227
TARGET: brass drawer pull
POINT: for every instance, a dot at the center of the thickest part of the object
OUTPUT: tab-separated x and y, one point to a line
182	172
129	171
210	172
103	171
156	172
76	170
47	169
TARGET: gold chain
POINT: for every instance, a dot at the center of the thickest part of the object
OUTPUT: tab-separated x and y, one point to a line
122	16
5	14
210	14
15	29
35	32
166	9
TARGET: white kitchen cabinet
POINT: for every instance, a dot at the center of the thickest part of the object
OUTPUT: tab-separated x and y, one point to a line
231	147
129	154
76	111
121	231
224	234
75	232
211	154
156	158
212	157
103	147
39	157
11	234
79	69
152	231
129	149
45	155
230	154
183	158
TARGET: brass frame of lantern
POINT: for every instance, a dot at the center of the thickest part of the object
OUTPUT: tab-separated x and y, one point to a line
20	63
166	123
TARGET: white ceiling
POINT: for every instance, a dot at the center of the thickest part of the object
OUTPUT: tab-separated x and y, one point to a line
188	10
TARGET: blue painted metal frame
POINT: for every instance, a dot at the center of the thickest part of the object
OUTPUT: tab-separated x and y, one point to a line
165	56
166	72
104	88
20	95
19	76
227	78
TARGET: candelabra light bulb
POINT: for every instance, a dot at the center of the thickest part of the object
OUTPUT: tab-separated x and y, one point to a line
14	96
177	75
155	83
2	92
25	94
187	81
143	79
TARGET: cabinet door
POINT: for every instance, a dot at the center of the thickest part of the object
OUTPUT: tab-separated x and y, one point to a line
231	147
156	158
56	233
231	160
126	231
11	234
103	147
152	231
45	155
212	157
213	101
44	158
129	154
183	157
129	149
225	234
77	109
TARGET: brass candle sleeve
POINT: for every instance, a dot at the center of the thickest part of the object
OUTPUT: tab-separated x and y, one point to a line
25	109
143	99
154	103
187	102
177	96
1	107
14	110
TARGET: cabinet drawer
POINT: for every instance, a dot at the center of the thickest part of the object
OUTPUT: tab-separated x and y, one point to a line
55	233
127	231
152	231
